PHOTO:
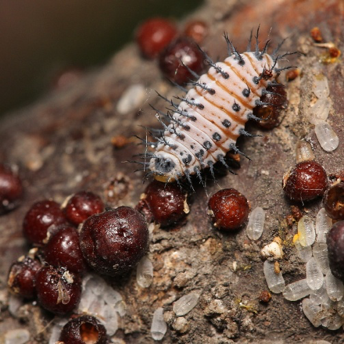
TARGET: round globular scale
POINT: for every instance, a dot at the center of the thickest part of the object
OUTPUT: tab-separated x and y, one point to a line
306	181
22	276
167	202
63	249
270	114
178	54
11	189
113	242
229	209
335	244
197	30
82	330
82	205
154	35
41	220
333	201
58	290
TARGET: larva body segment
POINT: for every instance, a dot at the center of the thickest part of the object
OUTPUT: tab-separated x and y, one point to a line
212	115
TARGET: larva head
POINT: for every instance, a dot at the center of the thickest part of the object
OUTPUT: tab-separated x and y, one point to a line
164	167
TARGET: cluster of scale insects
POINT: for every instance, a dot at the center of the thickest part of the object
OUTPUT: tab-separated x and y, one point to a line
205	125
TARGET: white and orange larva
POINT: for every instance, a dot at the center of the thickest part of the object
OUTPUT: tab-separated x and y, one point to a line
205	125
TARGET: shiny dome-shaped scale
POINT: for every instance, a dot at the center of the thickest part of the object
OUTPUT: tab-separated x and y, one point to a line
229	209
333	201
205	125
82	205
113	242
335	244
178	58
63	249
22	277
306	181
167	202
58	290
41	220
270	114
154	35
82	330
11	189
197	30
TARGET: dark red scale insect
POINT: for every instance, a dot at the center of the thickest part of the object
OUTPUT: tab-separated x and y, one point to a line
114	241
229	209
206	123
22	276
154	35
82	205
333	201
82	330
306	181
63	249
58	290
42	220
11	189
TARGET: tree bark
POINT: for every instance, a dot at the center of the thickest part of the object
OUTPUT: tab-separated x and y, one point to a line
62	145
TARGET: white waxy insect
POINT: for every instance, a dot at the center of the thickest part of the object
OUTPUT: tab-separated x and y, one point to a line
314	275
185	304
144	273
304	152
158	327
334	287
297	290
306	231
256	223
312	311
323	224
274	280
326	136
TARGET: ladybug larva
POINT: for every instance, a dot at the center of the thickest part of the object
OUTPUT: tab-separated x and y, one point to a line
206	123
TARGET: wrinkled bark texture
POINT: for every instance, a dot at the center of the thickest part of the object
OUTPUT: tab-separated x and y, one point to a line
62	144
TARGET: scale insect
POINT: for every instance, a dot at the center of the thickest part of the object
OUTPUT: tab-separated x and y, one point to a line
205	125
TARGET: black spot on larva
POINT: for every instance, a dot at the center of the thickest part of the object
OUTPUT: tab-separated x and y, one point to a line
216	137
164	165
181	153
200	153
192	147
187	160
236	107
226	123
193	118
246	92
207	145
256	80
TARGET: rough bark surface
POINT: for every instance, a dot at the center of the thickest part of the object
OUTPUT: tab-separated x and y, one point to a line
63	144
